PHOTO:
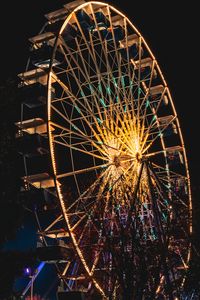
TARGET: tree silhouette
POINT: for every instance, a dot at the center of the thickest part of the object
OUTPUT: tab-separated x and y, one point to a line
11	208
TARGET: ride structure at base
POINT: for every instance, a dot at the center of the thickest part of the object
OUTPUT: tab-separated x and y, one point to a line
104	157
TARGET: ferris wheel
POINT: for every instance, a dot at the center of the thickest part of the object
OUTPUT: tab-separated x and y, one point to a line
110	153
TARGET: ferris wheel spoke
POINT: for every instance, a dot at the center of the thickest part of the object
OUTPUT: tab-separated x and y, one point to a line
110	123
122	176
83	170
145	87
82	108
90	193
163	174
98	71
84	140
145	102
121	92
103	57
136	81
89	123
167	180
87	46
84	232
130	65
154	111
157	135
148	107
91	153
83	73
84	196
109	114
164	202
96	260
79	133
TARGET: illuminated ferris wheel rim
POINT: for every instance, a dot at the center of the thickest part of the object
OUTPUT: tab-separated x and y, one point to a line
154	61
143	40
53	156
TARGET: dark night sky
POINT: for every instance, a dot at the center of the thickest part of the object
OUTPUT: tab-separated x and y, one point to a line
171	32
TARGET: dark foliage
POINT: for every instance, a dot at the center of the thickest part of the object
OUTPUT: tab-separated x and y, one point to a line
12	264
11	211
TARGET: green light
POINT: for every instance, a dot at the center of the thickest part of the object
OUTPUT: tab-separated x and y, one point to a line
100	87
99	121
108	90
131	83
76	128
147	103
166	202
153	234
114	81
123	82
82	94
102	102
78	110
164	217
91	89
154	118
139	91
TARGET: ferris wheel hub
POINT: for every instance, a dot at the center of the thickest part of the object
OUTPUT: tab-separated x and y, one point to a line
138	156
116	161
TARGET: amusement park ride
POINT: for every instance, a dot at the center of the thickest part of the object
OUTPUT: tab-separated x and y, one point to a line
104	158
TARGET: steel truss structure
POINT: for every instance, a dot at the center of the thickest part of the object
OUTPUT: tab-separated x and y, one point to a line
103	151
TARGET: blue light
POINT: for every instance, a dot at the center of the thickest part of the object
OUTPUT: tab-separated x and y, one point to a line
38	270
27	271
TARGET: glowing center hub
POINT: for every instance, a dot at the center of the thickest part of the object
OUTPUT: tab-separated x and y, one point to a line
138	156
122	161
